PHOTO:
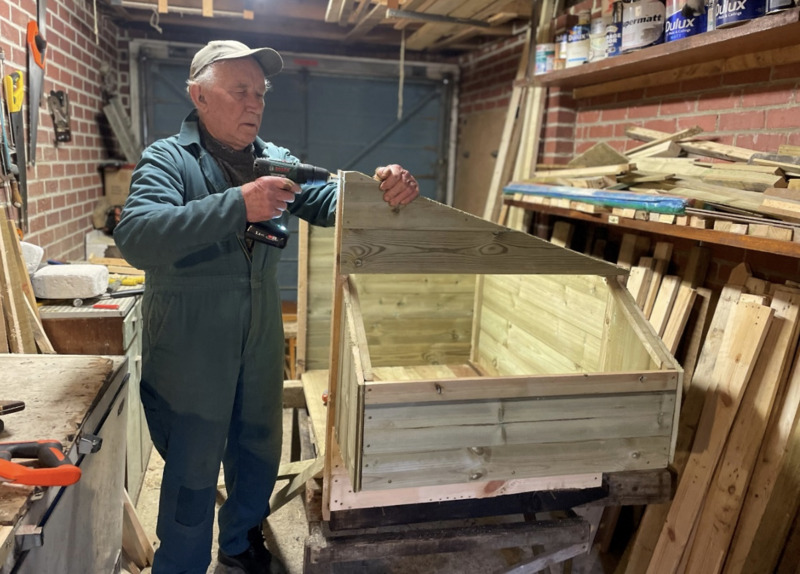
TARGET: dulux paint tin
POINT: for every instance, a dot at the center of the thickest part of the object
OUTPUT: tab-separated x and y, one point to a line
732	12
685	18
642	24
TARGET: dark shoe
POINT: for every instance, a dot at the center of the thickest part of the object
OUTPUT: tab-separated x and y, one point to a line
256	559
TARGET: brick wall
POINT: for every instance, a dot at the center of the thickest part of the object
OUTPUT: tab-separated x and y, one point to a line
759	110
65	182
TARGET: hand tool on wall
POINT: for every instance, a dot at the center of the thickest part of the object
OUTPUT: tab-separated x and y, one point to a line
14	90
9	169
54	469
36	61
58	103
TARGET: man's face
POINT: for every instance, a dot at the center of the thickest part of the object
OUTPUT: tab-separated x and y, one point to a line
231	107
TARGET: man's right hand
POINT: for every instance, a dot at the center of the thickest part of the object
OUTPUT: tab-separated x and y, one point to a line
267	197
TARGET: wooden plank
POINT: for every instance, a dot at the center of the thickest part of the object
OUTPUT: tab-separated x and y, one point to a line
665	299
562	234
730	227
556	174
208	8
18	328
723	502
634	131
664	149
296	484
135	541
379	239
770	232
697	266
678	317
697	387
773	494
662	255
744	336
600	154
511	133
480	388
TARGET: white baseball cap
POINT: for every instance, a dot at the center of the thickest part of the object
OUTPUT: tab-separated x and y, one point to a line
269	60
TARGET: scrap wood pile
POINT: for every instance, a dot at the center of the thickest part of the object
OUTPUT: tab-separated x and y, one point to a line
735	509
732	189
21	328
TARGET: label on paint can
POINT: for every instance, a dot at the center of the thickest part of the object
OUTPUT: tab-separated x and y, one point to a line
545	55
614	31
685	18
578	42
642	24
732	12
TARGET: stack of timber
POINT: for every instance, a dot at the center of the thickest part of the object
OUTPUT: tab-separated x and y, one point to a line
727	188
21	328
735	509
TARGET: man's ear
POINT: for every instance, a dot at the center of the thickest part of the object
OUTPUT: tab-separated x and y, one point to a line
196	93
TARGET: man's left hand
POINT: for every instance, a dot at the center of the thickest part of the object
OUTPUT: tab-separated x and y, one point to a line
398	186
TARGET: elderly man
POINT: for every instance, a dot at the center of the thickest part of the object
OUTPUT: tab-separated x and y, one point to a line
212	372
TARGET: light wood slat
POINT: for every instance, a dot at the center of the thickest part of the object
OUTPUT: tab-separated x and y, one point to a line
429	33
662	307
689	132
600	154
358	336
662	254
773	494
343	496
478	388
744	336
678	317
502	463
428	237
18	328
726	493
638	283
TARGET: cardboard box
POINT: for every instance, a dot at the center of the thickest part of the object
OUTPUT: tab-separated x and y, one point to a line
117	182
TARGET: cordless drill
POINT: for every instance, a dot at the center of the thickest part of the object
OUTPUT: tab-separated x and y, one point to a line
271	232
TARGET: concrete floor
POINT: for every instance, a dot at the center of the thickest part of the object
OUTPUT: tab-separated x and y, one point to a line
289	530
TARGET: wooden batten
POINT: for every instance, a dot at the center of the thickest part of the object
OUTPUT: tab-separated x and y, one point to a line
428	237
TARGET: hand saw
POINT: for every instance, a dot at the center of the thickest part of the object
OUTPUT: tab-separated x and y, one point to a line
36	51
15	90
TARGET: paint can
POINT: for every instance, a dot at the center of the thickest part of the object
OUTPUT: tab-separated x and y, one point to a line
545	57
578	41
560	60
685	18
778	5
614	31
642	24
733	12
597	40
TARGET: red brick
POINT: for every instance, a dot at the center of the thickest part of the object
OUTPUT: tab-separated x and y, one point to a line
783	118
759	96
786	72
708	122
600	132
746	77
701	84
718	101
763	142
742	120
588	116
680	106
614	114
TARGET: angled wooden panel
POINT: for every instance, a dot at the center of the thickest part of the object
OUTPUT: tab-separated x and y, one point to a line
429	237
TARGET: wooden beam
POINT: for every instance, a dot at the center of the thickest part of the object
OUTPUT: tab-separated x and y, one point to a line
367	23
721	506
742	342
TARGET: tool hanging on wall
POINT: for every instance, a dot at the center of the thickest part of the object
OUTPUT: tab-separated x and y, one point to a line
15	91
9	169
36	62
58	103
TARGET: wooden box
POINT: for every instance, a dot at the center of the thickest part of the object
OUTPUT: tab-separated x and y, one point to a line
470	360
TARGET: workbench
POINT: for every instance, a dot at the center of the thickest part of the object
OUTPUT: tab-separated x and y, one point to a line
88	331
80	401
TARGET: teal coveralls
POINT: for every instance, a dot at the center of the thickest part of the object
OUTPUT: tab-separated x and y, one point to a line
212	370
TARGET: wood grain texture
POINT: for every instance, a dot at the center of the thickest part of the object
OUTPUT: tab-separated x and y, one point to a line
744	336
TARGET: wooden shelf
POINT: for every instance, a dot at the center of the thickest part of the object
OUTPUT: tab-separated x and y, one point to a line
749	242
769	32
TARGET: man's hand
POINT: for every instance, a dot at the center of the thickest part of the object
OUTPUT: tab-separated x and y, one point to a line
398	186
267	197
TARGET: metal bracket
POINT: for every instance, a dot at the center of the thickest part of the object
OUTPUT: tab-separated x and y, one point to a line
28	536
89	444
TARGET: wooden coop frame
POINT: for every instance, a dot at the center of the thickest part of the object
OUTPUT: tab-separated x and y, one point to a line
472	416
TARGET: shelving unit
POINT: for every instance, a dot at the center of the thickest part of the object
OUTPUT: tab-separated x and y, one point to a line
748	46
712	236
